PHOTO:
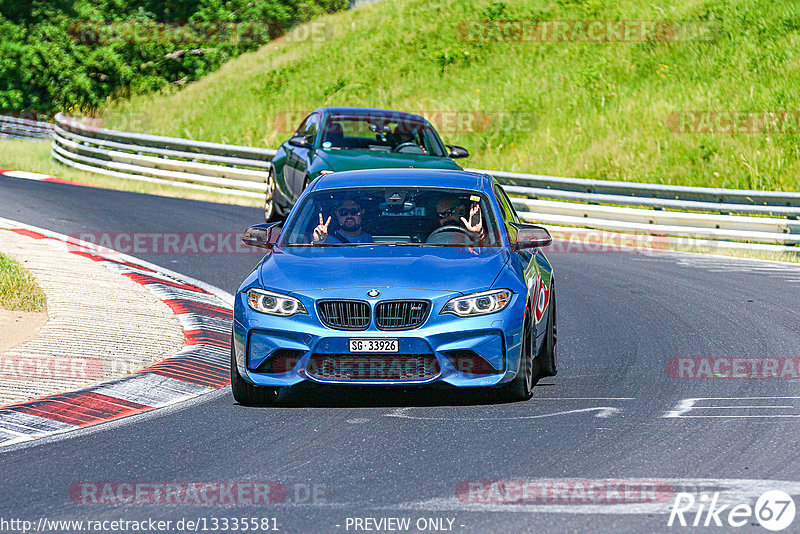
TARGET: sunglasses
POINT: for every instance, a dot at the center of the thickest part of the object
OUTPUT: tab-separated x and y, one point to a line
446	213
344	212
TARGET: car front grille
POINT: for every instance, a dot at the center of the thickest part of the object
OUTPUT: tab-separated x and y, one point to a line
344	314
401	314
373	367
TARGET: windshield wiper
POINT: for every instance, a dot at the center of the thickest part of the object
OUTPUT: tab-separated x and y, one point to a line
344	244
378	244
310	245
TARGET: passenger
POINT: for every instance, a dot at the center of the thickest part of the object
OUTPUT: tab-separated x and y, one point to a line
349	215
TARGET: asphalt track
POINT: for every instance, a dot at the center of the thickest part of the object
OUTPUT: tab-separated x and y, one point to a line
383	454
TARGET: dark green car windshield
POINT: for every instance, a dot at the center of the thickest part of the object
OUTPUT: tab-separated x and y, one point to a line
400	135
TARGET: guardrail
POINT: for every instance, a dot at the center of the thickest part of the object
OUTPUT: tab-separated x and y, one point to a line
229	169
637	190
17	128
702	215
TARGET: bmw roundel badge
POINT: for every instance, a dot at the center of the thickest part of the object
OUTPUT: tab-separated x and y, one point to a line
373	293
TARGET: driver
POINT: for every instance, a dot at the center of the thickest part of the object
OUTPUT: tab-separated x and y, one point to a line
451	211
406	135
349	215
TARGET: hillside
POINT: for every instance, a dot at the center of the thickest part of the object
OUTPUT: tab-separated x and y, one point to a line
559	102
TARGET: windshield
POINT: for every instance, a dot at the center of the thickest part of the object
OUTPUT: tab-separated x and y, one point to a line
410	216
401	135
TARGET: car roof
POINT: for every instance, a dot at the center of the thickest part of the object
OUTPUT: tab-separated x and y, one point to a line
402	177
373	112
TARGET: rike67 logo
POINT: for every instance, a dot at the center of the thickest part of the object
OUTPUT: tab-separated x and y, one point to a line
774	510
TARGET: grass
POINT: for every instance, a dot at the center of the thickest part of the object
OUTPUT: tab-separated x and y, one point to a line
18	289
589	110
768	255
34	156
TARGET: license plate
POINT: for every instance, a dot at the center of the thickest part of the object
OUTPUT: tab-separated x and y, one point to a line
374	345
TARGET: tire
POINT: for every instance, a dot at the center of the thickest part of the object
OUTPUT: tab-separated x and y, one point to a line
247	394
280	212
271	211
521	387
548	352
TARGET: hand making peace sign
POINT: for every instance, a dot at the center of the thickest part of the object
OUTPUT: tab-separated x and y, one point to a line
321	231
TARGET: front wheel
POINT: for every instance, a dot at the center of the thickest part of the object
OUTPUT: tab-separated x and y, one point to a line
548	352
246	393
521	387
273	211
270	211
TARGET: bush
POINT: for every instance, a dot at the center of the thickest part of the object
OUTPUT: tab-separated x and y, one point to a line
56	54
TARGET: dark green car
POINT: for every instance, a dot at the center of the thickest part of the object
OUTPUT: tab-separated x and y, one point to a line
335	139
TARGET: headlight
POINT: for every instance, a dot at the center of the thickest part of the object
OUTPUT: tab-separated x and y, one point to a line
481	303
274	303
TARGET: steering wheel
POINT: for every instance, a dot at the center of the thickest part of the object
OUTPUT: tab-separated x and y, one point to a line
407	144
450	228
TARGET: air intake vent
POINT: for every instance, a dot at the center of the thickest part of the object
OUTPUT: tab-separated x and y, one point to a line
401	314
344	314
280	361
372	367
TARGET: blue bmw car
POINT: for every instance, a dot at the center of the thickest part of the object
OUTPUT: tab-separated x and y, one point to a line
422	277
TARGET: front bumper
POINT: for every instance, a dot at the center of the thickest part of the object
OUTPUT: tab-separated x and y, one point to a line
301	340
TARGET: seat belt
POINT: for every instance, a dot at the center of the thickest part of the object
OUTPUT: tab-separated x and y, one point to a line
340	237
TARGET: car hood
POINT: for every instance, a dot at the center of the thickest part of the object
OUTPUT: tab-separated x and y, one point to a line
351	160
433	268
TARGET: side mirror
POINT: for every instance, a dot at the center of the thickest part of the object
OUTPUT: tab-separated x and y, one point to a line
531	236
301	141
262	235
457	152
